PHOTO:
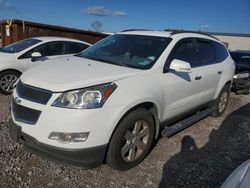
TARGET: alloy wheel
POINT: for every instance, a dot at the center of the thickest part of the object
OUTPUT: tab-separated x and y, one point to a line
223	101
135	141
7	82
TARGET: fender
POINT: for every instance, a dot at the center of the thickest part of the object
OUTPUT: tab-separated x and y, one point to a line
136	104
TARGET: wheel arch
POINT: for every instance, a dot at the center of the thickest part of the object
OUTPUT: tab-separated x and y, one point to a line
150	106
228	82
14	70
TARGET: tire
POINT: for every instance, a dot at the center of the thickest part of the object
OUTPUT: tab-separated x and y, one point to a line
7	81
134	136
248	87
221	102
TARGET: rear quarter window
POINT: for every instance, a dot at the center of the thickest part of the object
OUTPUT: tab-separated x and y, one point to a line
221	52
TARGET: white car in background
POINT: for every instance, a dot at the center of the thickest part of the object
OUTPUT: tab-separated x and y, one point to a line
20	56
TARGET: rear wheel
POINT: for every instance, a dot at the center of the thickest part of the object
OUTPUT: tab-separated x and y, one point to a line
132	140
8	80
222	101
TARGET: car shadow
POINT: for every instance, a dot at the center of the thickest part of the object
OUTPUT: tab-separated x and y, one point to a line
209	166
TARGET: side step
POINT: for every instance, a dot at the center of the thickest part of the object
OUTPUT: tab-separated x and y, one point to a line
177	127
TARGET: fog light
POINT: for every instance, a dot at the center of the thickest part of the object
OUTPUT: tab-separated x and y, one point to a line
64	137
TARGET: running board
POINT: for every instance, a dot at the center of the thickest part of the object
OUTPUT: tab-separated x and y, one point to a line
177	127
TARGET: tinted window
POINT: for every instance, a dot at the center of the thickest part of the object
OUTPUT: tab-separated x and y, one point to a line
187	51
206	53
241	58
220	52
20	46
74	47
47	49
235	56
135	51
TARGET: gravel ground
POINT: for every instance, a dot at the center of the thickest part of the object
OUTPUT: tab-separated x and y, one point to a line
203	155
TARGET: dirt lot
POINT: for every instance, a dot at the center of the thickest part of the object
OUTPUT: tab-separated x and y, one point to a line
201	156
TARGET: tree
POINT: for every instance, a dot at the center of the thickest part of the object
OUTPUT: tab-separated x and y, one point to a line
96	25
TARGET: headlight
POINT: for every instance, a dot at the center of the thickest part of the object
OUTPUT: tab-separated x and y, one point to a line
87	98
242	75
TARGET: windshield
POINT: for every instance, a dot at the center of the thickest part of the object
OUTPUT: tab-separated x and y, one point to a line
135	51
241	58
21	45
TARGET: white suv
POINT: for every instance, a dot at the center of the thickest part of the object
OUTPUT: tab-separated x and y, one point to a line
20	56
111	101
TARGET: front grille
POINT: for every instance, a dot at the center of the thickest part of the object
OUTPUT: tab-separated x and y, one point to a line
24	114
33	94
241	83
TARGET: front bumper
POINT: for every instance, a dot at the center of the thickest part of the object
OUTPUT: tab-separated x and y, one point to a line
39	121
241	85
86	158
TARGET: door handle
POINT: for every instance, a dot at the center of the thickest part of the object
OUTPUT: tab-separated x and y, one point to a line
198	77
219	72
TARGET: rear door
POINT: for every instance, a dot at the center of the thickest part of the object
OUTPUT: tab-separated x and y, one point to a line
208	70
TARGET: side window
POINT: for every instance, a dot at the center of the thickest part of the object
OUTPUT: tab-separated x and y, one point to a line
74	47
220	52
187	51
206	53
47	49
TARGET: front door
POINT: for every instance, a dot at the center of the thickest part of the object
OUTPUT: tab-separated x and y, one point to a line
49	51
182	90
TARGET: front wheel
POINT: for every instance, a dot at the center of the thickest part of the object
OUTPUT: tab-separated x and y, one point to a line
7	81
131	140
222	101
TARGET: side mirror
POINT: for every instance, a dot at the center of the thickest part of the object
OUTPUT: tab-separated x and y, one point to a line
35	56
180	66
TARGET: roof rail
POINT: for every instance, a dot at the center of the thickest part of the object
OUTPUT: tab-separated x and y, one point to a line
136	30
195	32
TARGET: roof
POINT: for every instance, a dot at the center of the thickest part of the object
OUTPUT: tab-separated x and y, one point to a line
46	39
147	32
172	34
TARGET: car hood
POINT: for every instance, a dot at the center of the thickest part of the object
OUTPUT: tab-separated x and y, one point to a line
73	73
3	54
242	68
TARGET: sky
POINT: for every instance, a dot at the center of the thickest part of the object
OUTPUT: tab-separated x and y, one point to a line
230	16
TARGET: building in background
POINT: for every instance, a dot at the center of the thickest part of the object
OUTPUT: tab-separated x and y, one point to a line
0	39
234	41
15	30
